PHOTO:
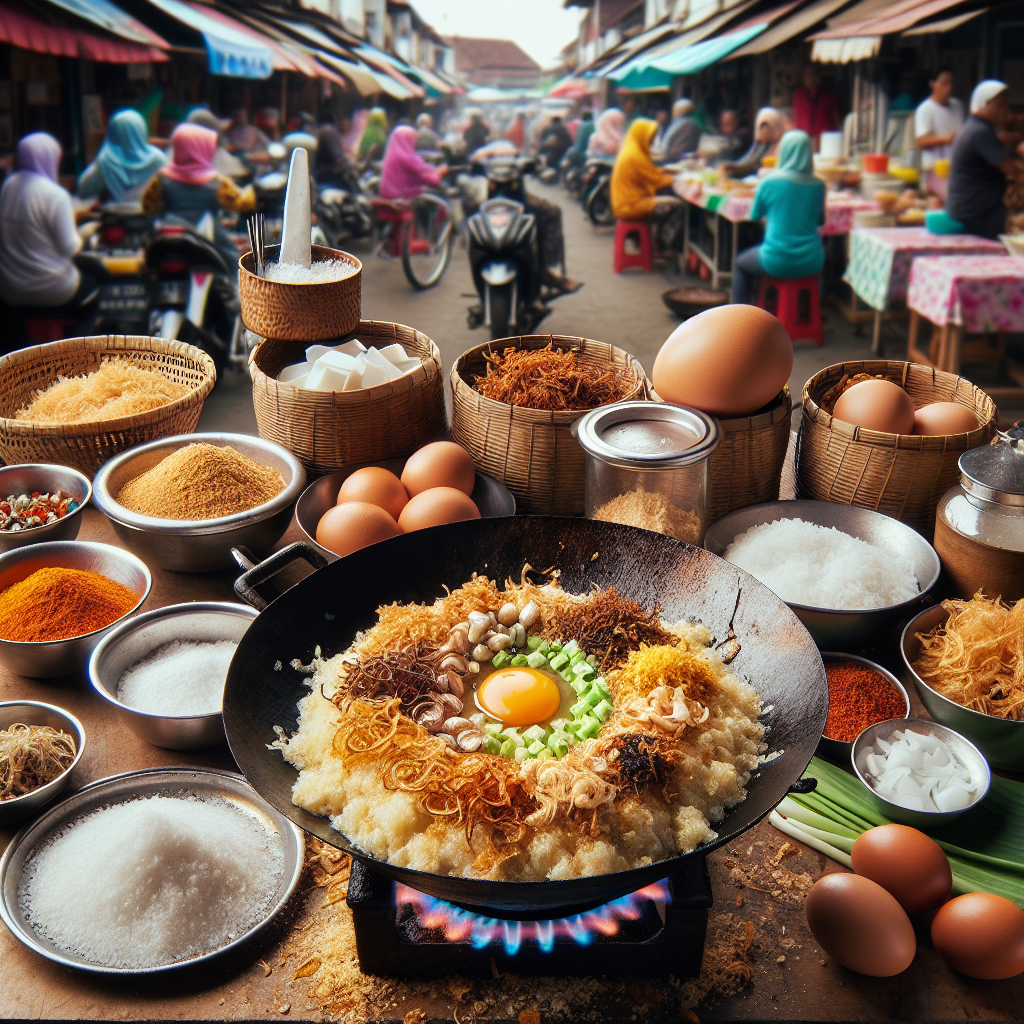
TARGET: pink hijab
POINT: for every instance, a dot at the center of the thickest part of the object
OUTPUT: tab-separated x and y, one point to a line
404	173
608	133
194	149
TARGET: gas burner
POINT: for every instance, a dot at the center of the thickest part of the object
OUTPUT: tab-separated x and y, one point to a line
655	931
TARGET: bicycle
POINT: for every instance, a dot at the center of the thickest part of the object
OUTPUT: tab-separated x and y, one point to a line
420	232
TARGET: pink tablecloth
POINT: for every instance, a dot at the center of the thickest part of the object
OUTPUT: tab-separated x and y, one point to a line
839	207
979	293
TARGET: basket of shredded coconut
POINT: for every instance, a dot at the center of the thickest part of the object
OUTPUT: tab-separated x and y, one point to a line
847	572
295	303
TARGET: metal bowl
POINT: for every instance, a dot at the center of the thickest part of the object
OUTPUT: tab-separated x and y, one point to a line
136	638
134	785
34	712
43	478
965	752
493	499
830	627
1001	740
48	658
840	750
204	545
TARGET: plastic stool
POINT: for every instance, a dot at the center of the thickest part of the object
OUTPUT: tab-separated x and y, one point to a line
797	303
642	229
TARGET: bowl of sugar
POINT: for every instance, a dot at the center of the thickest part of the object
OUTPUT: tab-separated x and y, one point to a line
164	671
292	303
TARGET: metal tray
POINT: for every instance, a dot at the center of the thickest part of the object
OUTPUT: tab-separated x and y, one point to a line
117	789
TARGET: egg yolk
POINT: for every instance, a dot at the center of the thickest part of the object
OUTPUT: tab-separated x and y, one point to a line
519	696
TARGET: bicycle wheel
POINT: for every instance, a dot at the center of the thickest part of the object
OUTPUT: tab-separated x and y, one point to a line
427	245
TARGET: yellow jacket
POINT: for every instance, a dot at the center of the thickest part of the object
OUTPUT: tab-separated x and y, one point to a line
636	177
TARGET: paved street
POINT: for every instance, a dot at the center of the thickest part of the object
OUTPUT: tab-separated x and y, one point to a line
624	309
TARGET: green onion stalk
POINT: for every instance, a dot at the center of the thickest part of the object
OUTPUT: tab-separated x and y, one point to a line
985	846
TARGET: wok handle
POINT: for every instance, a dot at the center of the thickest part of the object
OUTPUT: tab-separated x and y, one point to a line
259	572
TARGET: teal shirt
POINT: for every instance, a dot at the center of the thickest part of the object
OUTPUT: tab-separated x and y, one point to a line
792	246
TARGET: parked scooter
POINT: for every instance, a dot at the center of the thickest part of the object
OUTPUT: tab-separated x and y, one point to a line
596	191
504	253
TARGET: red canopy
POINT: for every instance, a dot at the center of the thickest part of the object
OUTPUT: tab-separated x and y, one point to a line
29	33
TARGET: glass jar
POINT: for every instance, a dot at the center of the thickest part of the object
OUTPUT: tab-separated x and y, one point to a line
647	465
979	523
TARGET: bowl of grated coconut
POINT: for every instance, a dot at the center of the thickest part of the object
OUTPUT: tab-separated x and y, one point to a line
849	573
184	502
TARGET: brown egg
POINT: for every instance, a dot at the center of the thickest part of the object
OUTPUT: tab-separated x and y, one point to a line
981	935
859	925
941	418
876	405
349	527
376	486
906	864
435	507
729	361
441	464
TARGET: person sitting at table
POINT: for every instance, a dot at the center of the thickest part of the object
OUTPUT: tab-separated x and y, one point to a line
792	202
125	163
980	164
735	134
768	129
636	181
936	122
606	141
682	136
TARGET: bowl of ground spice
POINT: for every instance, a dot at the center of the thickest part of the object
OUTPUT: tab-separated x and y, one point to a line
860	693
184	502
60	598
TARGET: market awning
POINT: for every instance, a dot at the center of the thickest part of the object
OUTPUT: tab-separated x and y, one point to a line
390	65
946	24
31	33
233	50
844	51
686	60
434	85
111	18
794	25
866	20
363	79
571	88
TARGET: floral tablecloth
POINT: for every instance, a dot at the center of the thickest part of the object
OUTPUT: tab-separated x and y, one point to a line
839	206
878	268
979	293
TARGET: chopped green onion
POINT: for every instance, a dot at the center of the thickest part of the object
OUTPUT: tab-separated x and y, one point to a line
536	747
519	660
501	659
522	754
508	749
537	660
603	710
535	732
559	661
491	745
534	642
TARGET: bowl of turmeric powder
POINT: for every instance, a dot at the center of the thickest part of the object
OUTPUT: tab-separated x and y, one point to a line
60	598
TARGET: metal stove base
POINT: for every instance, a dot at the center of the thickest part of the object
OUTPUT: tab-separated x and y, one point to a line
659	942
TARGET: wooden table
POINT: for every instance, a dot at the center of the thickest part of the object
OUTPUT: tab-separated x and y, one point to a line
790	978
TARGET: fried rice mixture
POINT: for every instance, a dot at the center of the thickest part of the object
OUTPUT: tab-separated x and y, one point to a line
673	753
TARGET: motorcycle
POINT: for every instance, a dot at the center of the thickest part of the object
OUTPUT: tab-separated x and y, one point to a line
596	191
504	253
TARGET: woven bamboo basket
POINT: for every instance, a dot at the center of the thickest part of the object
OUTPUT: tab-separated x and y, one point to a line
329	430
301	312
901	475
531	451
86	446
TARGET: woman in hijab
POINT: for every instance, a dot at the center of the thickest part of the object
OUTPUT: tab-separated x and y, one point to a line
405	174
125	163
38	238
792	202
375	135
607	138
516	133
636	181
189	186
768	129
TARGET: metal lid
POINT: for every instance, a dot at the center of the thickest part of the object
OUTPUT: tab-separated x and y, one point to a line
994	474
647	435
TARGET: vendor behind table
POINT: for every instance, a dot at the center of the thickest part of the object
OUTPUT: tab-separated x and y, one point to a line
636	182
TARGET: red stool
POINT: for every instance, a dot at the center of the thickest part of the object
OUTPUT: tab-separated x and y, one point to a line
797	303
640	228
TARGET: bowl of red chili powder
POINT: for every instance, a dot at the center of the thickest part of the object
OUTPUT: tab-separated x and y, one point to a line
60	598
860	693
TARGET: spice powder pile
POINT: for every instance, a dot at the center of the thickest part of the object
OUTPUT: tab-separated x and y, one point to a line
201	481
858	697
58	603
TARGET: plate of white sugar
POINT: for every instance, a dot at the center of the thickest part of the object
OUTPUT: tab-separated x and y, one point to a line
149	871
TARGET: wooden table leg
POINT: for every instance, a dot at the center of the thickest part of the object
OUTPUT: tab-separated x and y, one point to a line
944	346
956	347
876	334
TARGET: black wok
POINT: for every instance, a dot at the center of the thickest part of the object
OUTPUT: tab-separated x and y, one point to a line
775	653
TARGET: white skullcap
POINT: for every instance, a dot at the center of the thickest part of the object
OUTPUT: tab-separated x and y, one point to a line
985	91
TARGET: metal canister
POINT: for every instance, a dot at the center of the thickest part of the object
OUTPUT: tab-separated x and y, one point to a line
979	524
647	466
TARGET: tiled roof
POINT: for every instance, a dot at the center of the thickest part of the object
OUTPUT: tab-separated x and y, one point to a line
490	55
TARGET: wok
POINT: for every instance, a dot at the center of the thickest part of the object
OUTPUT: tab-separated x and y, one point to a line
772	649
